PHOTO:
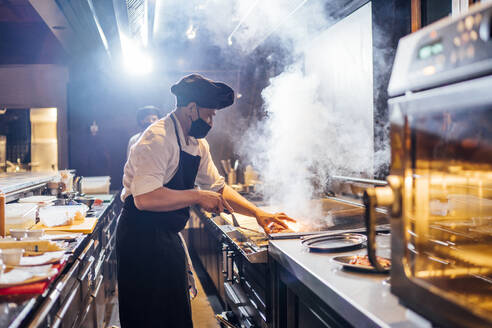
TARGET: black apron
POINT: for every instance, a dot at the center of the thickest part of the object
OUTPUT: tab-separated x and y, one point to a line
152	273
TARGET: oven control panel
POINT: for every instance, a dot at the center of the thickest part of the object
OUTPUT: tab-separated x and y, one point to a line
448	51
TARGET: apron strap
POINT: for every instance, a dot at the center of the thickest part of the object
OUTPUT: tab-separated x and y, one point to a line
176	130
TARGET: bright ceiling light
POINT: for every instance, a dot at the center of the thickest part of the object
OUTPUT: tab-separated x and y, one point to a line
135	59
191	32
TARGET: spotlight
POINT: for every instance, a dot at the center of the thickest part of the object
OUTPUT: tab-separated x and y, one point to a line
135	59
191	32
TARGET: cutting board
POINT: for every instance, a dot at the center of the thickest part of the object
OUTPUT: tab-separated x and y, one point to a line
84	227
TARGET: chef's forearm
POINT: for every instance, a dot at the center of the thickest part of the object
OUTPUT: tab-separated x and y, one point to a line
239	203
164	199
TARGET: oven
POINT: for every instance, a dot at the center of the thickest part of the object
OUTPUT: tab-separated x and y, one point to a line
440	186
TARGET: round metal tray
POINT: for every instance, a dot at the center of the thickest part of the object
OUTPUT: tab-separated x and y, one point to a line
345	261
335	243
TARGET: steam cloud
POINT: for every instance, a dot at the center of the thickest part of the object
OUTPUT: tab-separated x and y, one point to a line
319	109
320	119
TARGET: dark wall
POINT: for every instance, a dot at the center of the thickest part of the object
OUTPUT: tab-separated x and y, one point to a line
391	21
111	100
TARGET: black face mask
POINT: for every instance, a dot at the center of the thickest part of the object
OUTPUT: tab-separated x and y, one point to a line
199	128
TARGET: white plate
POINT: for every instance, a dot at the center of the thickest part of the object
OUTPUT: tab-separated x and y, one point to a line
60	235
46	258
345	261
26	275
335	243
38	199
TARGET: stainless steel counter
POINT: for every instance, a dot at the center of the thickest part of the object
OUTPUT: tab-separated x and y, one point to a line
10	182
45	310
363	299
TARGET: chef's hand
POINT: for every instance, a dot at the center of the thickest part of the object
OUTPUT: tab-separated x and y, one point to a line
212	201
272	222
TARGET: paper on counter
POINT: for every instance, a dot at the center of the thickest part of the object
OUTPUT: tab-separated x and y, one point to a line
21	274
48	257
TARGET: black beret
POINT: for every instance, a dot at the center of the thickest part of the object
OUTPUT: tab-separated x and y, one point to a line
204	92
142	112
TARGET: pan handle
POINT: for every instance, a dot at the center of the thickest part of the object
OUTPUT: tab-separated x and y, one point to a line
380	196
370	217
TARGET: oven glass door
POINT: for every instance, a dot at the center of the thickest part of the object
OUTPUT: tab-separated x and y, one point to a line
447	193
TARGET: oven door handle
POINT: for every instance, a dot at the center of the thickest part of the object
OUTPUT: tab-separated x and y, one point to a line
231	294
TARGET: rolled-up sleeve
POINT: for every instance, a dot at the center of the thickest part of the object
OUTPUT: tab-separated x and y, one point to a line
208	176
150	158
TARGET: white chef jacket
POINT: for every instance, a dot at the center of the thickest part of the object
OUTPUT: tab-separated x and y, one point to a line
154	159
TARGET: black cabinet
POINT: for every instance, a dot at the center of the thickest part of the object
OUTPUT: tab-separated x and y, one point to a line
208	248
293	305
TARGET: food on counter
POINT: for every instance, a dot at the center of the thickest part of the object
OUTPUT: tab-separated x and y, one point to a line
364	260
275	228
53	216
79	216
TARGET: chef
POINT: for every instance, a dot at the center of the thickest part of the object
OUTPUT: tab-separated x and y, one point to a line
145	117
159	187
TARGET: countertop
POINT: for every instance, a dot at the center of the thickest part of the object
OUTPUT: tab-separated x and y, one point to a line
15	181
16	308
363	299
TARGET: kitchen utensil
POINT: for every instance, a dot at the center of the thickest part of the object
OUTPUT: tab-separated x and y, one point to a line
228	163
224	165
236	164
20	216
11	256
380	228
35	233
231	178
26	233
76	184
345	262
337	242
18	233
95	185
234	220
88	201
